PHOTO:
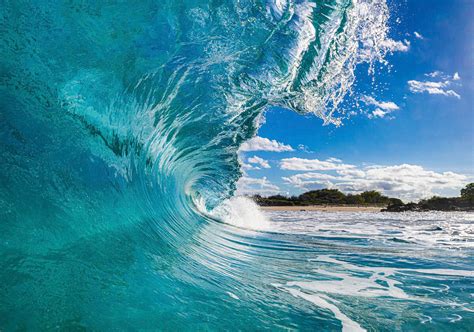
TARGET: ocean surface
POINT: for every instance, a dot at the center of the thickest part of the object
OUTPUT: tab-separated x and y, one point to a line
120	125
381	271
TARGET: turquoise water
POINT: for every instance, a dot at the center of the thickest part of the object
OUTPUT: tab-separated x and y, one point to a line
119	130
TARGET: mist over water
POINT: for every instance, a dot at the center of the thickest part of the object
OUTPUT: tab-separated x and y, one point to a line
119	130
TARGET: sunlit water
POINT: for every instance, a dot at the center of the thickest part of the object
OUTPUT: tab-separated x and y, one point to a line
380	271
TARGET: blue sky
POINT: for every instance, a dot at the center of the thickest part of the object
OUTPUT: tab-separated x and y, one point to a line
411	133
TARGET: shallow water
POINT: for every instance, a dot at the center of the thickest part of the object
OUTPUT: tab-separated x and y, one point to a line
384	271
295	270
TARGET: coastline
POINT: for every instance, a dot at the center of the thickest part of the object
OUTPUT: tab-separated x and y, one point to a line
323	208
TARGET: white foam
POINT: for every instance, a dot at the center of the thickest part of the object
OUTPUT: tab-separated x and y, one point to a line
322	301
456	318
241	212
345	283
232	295
448	230
443	272
347	279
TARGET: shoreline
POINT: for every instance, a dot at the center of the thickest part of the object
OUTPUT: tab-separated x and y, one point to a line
323	208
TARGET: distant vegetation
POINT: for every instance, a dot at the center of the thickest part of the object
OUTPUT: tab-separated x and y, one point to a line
463	203
327	197
335	197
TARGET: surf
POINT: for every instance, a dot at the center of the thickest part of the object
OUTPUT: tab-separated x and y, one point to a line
120	131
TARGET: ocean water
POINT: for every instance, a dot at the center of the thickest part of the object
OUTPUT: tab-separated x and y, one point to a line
120	124
382	271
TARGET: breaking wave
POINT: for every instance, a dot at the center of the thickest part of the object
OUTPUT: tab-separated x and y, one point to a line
120	126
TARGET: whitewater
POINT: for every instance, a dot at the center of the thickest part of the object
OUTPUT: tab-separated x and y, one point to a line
120	125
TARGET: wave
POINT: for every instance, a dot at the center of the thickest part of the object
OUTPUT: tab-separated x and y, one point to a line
121	125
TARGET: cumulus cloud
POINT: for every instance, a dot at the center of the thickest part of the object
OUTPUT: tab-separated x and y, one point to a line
258	143
259	161
396	46
301	164
382	108
377	113
310	181
251	186
385	105
442	86
248	167
409	182
434	74
432	88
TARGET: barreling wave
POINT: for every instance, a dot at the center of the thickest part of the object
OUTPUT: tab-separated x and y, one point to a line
118	118
185	110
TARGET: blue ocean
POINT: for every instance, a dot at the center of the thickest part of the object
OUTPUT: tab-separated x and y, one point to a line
120	125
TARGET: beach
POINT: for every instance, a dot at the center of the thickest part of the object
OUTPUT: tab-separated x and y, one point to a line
324	208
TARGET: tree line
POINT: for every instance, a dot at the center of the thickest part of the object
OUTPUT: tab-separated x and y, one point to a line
465	202
327	197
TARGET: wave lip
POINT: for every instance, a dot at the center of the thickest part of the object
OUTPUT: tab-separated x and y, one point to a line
119	144
241	212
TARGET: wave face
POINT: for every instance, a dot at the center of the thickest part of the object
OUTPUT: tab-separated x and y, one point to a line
120	125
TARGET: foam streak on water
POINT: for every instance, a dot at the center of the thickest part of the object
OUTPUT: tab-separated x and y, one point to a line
417	267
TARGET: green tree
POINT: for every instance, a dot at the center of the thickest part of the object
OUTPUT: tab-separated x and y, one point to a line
395	201
373	197
467	193
354	199
323	196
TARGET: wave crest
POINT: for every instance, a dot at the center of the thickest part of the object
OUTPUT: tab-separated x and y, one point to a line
120	130
193	107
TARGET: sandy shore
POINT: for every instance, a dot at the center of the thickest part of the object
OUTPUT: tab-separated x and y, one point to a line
325	208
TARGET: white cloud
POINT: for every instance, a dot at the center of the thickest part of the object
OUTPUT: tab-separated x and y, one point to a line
377	113
304	148
396	46
248	167
441	87
258	143
418	35
309	181
432	88
434	74
409	182
300	164
382	107
351	172
259	161
251	186
385	105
